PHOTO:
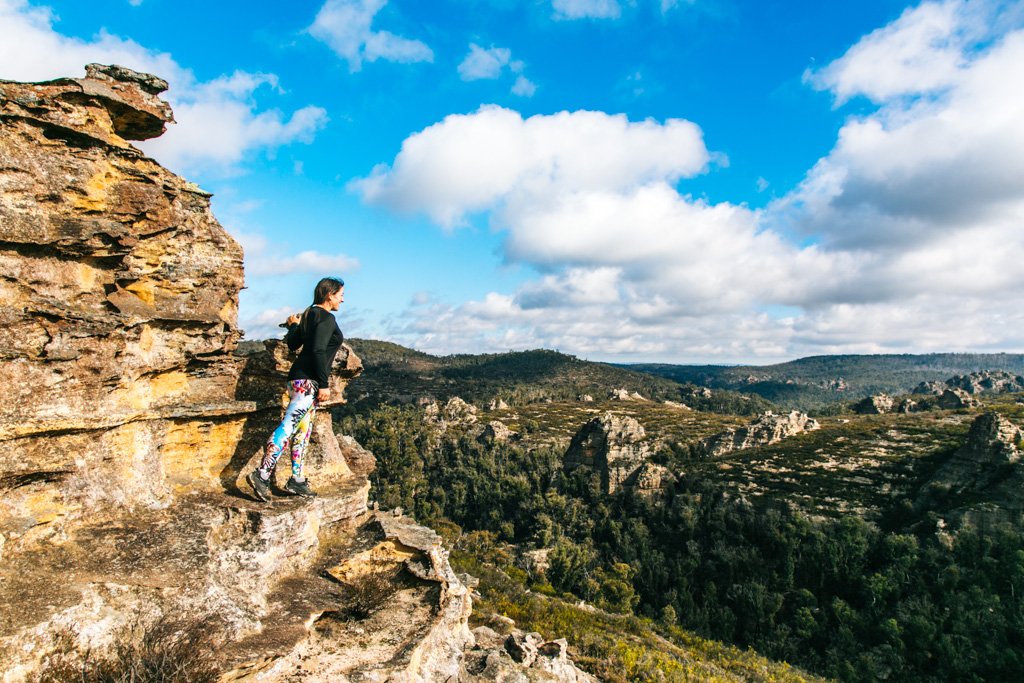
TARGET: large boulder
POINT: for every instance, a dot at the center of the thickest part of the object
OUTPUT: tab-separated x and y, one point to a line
955	398
496	431
874	405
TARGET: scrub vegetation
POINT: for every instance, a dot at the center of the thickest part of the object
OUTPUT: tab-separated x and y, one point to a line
809	551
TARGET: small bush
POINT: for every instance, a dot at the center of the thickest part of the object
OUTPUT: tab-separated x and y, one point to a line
168	650
367	593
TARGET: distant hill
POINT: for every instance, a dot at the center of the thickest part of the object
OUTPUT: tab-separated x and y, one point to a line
816	381
394	373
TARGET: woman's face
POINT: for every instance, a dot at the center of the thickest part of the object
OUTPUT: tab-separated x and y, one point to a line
335	300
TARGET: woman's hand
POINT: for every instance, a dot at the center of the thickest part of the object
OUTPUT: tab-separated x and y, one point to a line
323	395
293	319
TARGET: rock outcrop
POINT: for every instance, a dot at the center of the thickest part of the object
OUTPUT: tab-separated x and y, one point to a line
878	404
649	480
455	412
135	413
613	445
908	405
954	398
519	656
496	431
985	381
767	429
987	467
497	404
930	388
625	395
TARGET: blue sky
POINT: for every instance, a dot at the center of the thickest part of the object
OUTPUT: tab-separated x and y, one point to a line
632	180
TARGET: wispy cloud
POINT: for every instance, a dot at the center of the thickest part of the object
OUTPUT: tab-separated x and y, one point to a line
262	258
481	63
347	28
586	9
491	63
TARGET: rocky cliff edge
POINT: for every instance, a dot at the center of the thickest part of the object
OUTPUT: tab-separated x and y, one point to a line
132	416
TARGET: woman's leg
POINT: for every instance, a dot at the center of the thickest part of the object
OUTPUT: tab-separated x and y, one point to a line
303	396
300	440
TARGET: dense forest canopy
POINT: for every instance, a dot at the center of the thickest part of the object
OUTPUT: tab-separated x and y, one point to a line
815	550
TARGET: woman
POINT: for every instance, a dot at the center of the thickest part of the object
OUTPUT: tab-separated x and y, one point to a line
316	331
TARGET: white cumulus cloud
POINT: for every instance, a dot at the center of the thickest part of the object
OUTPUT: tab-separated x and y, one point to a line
347	28
920	52
904	237
218	121
474	162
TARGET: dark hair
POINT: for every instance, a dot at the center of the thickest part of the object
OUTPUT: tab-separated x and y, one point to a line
325	288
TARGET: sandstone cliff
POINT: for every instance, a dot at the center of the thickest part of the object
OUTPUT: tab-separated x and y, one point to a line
135	414
612	445
984	478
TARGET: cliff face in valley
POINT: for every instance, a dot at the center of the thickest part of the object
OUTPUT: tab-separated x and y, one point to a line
134	414
984	478
615	447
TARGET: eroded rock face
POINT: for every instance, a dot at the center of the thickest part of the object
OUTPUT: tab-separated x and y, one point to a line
120	288
767	429
613	445
986	381
496	431
954	398
878	404
988	466
120	295
456	412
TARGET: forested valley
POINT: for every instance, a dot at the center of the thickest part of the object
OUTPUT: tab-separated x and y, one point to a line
864	589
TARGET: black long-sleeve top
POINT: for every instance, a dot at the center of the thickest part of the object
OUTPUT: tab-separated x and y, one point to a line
320	338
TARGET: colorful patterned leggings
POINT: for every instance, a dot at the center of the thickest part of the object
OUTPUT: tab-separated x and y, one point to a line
295	426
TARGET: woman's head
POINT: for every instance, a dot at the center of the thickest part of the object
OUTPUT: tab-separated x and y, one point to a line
326	288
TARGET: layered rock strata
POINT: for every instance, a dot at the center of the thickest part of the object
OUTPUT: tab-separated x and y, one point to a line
136	414
614	446
133	414
767	429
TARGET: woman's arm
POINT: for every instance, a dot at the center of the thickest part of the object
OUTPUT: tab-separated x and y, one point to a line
321	338
294	336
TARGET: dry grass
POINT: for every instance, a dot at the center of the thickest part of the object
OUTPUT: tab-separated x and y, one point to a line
168	650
